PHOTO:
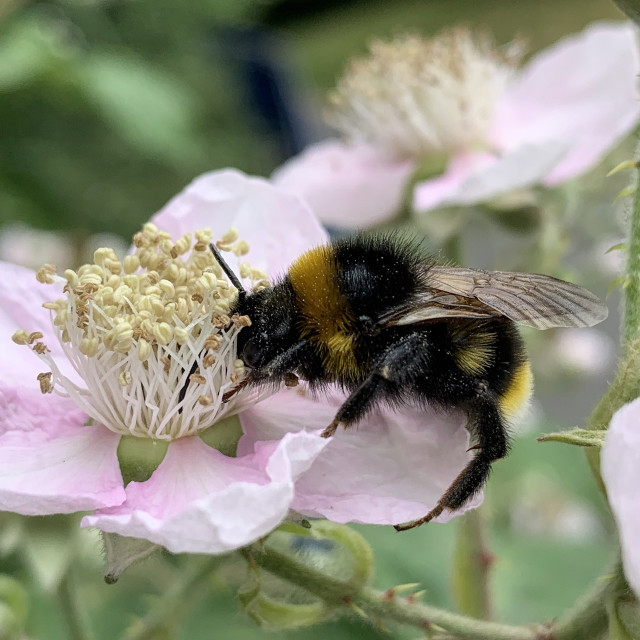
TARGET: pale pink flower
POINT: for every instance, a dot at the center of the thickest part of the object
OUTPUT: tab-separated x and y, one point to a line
456	100
59	451
620	468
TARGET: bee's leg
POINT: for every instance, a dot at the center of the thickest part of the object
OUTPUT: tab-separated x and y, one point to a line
493	444
357	404
390	372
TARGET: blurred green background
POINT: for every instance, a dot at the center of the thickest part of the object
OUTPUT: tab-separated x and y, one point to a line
109	107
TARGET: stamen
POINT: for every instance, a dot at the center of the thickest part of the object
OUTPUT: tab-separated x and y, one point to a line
141	333
414	96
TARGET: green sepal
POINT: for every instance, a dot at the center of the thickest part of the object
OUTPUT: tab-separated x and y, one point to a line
140	457
577	436
618	630
14	606
332	549
272	614
224	436
120	552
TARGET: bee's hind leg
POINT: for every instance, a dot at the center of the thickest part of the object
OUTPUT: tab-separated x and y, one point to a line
493	444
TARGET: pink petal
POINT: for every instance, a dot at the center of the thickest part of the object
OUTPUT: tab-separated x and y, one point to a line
277	226
583	90
49	461
391	468
21	298
620	468
478	177
200	501
286	411
347	186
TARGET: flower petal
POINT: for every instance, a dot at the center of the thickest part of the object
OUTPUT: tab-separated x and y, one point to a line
49	461
391	468
620	467
277	226
200	501
583	90
21	298
478	177
347	186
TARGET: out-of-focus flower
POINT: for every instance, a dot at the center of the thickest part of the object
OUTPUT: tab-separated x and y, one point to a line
122	342
26	246
456	101
620	468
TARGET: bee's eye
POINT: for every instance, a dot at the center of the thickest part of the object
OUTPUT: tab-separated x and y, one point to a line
252	353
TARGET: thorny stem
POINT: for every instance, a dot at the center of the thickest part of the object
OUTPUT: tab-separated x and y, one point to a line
378	606
472	562
631	285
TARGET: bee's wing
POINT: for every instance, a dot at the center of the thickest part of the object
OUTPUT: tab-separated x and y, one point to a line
529	299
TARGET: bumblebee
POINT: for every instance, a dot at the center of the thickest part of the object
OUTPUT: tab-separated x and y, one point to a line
375	316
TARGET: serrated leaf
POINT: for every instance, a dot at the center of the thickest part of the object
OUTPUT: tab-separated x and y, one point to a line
579	437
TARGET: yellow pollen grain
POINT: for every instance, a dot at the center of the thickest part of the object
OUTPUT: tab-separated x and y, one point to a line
21	336
125	378
89	346
205	401
208	360
197	378
229	236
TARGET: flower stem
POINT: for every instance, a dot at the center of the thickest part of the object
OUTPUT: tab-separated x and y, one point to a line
378	606
72	612
174	603
472	561
631	286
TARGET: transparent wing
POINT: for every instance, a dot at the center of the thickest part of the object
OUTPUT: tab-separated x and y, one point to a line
530	299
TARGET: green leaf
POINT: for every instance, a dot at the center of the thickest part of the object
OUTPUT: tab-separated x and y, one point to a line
577	436
154	111
29	47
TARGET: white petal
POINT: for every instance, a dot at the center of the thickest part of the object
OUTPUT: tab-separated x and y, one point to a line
620	467
348	186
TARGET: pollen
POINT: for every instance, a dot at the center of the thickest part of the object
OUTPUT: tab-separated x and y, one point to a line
150	335
414	96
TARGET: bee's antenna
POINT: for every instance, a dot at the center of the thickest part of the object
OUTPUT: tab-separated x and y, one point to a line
235	281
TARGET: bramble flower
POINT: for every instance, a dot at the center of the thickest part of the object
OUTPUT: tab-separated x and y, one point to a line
620	468
458	107
111	395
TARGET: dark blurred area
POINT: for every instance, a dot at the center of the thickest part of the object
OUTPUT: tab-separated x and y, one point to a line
109	107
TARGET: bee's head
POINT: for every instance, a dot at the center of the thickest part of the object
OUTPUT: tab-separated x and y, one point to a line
272	331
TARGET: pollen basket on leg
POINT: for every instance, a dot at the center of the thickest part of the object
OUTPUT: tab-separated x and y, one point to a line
150	336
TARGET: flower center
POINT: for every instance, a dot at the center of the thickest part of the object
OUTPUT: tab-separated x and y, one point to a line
150	336
415	96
